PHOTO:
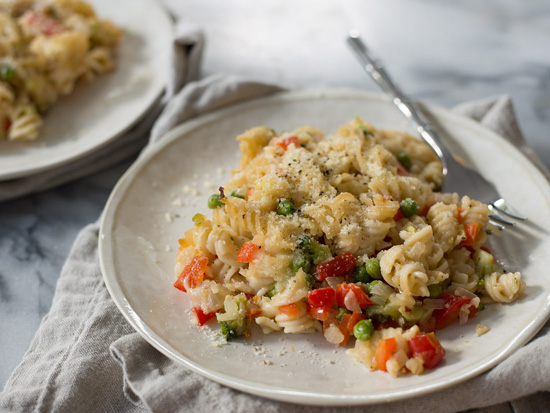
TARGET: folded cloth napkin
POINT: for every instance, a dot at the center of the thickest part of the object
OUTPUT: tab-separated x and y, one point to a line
185	57
85	356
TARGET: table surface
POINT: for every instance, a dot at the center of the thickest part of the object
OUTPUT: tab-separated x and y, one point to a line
440	52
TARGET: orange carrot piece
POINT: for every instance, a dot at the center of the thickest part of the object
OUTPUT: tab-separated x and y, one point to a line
471	230
354	319
193	273
383	352
247	252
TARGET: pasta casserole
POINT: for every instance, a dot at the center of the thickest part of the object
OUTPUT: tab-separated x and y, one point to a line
46	46
345	235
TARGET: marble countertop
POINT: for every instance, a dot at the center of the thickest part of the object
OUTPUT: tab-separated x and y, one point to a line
440	52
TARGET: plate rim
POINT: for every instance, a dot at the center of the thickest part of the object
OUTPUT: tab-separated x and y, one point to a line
268	391
156	95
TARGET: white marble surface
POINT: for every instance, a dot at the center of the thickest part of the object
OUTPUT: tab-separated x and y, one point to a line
440	52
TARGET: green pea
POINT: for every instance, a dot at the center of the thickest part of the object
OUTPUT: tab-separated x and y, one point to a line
405	160
7	72
286	207
409	207
435	290
371	285
360	274
310	281
301	260
363	330
215	201
373	268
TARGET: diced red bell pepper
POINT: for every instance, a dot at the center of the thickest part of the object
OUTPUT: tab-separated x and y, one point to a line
427	326
384	350
292	310
425	210
337	266
453	304
202	317
320	303
398	215
248	252
471	231
322	297
343	289
45	24
319	313
192	274
428	348
285	141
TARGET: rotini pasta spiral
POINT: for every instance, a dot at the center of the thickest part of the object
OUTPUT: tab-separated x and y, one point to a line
504	288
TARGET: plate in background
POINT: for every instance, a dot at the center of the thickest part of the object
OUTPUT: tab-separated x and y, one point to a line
152	205
98	112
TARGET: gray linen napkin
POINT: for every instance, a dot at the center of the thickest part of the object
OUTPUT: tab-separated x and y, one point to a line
85	357
186	56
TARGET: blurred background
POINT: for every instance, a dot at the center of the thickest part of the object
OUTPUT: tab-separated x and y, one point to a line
440	52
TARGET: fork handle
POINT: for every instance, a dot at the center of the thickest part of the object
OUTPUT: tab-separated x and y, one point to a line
411	111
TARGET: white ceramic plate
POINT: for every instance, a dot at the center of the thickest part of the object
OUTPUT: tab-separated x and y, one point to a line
144	219
98	112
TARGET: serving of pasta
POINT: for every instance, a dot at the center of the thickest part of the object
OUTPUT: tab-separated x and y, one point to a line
46	47
345	235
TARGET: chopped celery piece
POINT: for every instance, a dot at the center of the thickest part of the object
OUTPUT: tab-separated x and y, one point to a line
484	262
383	313
435	290
233	323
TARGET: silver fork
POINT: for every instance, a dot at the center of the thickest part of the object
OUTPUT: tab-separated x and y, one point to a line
456	177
